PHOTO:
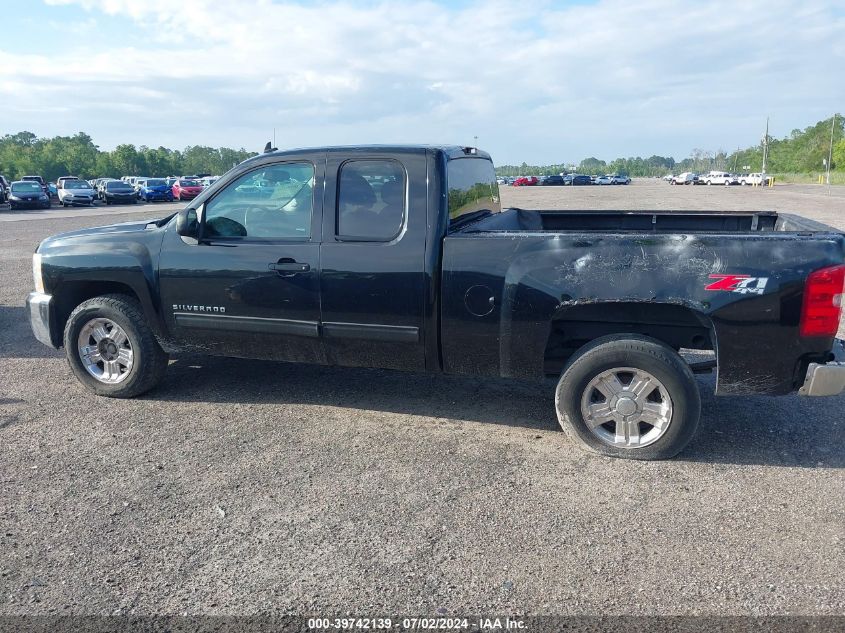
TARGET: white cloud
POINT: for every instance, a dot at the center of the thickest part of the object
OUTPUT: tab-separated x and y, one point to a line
535	82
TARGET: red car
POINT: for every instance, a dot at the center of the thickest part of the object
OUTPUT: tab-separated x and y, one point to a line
184	189
525	181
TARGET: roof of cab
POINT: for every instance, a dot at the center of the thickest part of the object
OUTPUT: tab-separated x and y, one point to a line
450	151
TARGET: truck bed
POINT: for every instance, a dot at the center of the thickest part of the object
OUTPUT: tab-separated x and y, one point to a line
540	283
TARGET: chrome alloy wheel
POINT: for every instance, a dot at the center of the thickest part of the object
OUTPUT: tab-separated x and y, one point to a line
626	407
105	351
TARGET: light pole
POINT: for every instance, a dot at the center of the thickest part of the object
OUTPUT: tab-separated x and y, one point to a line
765	149
830	152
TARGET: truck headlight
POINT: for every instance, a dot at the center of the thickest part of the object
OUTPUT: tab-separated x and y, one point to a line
36	273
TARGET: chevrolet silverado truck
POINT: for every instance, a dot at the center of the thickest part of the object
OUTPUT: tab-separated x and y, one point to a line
402	258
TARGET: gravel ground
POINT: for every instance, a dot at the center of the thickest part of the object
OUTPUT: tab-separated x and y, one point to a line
243	487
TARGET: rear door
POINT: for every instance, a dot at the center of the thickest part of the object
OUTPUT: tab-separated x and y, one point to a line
250	286
373	282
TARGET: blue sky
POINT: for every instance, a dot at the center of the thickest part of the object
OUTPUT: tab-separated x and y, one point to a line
535	81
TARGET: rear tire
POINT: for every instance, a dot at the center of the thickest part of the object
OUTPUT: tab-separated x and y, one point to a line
111	349
658	410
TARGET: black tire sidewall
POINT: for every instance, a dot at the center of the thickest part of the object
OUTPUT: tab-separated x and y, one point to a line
95	309
655	358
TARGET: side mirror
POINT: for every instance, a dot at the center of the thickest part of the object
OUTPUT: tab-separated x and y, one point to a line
187	223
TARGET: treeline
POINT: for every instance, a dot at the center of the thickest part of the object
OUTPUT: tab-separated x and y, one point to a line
802	152
24	154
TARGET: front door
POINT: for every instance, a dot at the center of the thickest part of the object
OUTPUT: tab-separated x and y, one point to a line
250	286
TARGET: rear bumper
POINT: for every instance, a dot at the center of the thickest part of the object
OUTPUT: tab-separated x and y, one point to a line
42	318
827	379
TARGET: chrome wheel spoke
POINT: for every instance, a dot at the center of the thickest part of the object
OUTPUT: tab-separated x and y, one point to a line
627	433
641	386
90	354
655	414
111	370
124	357
99	332
609	385
599	413
118	336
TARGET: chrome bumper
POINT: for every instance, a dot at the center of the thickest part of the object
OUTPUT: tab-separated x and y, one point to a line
41	317
827	379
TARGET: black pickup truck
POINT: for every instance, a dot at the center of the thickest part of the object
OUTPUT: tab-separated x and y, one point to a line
402	258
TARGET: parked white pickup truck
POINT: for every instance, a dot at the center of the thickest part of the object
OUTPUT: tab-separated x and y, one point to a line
719	178
753	179
686	178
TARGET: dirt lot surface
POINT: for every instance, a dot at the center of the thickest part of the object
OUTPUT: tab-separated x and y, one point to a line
243	487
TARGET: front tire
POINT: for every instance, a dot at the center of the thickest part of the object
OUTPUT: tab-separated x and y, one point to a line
628	396
111	348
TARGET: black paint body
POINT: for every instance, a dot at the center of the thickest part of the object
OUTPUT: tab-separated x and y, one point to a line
509	294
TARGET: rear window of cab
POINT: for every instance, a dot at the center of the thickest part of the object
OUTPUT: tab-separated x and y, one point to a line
472	187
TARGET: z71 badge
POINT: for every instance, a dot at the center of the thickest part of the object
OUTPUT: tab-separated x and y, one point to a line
742	284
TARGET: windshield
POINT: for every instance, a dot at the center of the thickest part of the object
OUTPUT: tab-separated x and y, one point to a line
26	187
156	182
189	183
75	184
118	186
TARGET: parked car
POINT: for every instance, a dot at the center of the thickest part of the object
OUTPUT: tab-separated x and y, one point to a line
4	189
620	179
118	192
136	181
685	178
61	179
53	190
40	180
580	180
553	181
525	181
753	179
152	189
604	180
185	189
446	281
718	178
668	177
27	194
75	192
101	184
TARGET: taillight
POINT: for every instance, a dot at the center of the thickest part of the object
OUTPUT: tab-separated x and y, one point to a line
822	307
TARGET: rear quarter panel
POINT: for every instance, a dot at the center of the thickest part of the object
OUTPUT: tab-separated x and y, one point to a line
532	276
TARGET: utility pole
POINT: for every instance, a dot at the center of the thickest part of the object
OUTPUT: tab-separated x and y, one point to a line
830	153
765	149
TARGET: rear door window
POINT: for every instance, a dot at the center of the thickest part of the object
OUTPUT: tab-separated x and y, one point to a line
371	200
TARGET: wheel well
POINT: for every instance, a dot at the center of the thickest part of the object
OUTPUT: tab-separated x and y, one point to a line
71	294
676	325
